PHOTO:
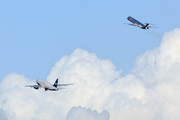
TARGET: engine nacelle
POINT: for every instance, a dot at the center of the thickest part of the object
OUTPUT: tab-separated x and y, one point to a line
36	88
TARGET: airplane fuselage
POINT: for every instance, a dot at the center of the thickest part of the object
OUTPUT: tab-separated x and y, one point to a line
137	23
46	85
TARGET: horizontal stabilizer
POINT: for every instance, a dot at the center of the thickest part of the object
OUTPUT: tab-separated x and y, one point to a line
152	27
150	24
64	84
61	88
130	24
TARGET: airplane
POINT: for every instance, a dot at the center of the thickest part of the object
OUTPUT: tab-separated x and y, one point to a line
47	86
139	24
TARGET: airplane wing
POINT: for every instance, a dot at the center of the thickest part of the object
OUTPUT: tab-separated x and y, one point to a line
130	24
64	85
34	86
152	27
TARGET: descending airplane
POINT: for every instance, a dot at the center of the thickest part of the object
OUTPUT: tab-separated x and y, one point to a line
138	24
47	86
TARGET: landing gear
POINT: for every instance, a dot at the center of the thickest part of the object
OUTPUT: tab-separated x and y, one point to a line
46	89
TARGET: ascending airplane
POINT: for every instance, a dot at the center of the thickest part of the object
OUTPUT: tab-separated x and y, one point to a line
47	86
138	24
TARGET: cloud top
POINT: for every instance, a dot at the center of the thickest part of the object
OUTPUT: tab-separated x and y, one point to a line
80	113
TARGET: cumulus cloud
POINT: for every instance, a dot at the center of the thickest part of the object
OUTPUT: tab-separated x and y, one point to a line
2	115
80	113
150	91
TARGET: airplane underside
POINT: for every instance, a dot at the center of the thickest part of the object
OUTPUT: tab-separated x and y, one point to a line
50	89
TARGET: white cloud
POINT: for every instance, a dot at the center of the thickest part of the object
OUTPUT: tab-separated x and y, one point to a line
2	115
80	113
150	91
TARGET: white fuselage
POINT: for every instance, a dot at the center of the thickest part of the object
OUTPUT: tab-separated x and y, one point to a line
46	85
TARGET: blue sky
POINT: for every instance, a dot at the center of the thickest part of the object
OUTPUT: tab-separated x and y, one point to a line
36	34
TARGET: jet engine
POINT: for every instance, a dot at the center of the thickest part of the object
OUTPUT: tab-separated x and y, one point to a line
36	88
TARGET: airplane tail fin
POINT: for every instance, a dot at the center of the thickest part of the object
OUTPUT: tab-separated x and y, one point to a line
56	83
146	27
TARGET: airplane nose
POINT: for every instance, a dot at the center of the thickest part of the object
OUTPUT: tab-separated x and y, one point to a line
38	80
